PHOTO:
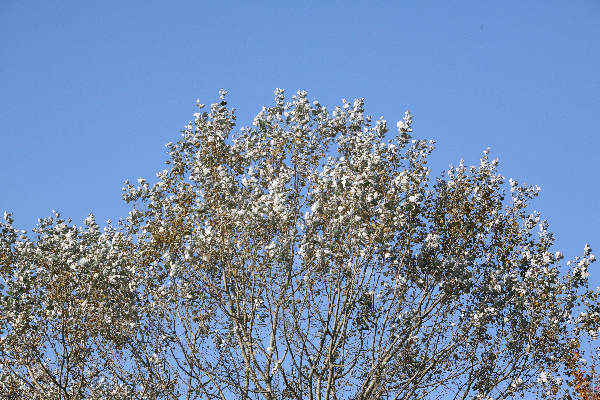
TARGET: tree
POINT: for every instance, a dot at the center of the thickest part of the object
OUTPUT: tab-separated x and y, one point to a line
309	256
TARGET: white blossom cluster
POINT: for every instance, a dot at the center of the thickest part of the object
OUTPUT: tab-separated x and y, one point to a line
310	255
59	293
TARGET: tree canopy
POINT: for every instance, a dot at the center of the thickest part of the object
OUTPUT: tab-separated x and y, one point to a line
311	255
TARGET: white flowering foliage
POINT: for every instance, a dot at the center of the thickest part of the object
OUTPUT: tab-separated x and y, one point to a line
66	297
309	256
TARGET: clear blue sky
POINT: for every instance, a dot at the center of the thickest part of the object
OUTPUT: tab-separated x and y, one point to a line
91	91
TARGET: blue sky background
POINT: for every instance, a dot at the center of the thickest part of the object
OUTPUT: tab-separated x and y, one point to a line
91	91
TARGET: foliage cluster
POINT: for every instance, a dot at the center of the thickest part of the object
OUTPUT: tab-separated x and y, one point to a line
310	256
